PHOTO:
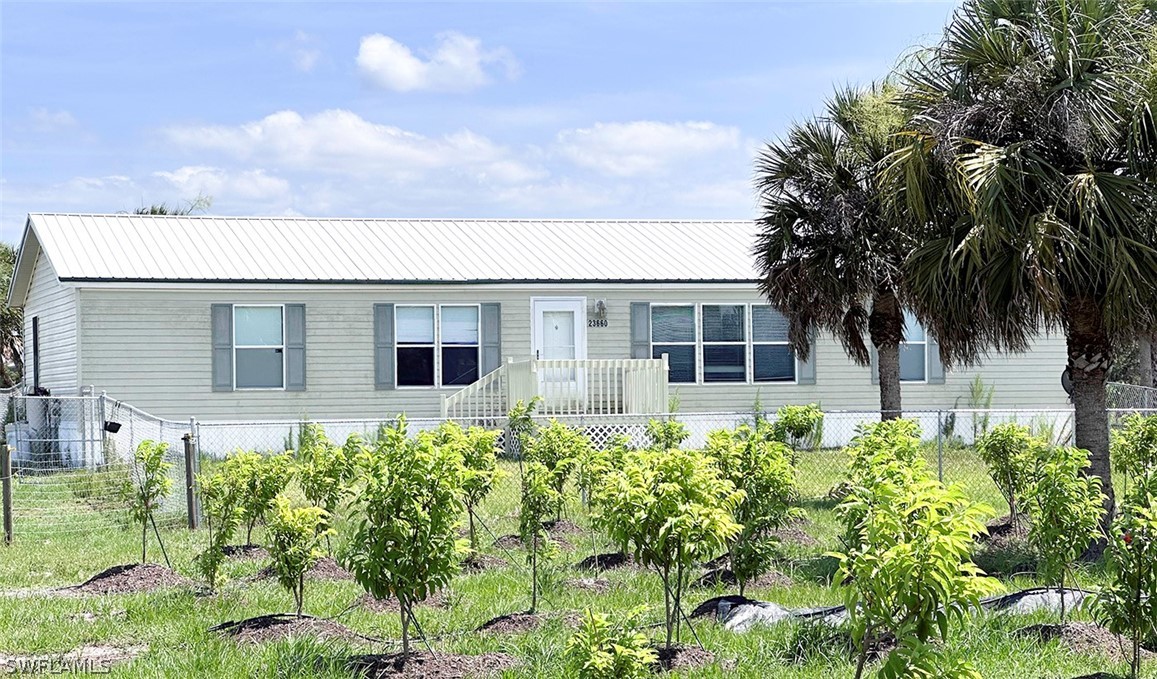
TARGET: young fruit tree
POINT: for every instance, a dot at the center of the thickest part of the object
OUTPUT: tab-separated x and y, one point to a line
152	485
1065	507
295	535
762	469
797	425
324	472
1134	448
558	448
479	450
666	434
404	521
261	478
1128	603
611	647
520	425
540	500
221	503
906	569
1011	453
672	509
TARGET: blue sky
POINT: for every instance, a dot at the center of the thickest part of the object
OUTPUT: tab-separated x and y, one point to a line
431	110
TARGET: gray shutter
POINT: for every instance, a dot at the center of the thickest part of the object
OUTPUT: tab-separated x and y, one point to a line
640	330
805	371
383	346
295	347
222	334
874	364
935	367
491	337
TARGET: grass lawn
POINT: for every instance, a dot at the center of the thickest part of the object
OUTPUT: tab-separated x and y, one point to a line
76	542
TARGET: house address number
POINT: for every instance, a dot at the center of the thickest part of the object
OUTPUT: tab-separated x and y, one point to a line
597	323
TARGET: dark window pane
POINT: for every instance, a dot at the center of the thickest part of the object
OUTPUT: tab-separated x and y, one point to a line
773	363
912	362
459	365
260	369
724	363
415	366
672	324
680	362
723	323
767	324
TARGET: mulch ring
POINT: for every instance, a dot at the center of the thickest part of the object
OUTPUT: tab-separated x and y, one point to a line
605	562
325	569
683	657
97	659
276	627
431	666
1085	638
796	535
513	623
725	576
562	527
245	552
596	585
478	562
129	579
435	600
1003	532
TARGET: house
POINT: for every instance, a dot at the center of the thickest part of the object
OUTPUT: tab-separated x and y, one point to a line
235	318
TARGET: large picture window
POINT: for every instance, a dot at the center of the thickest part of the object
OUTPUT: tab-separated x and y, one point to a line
673	333
913	351
436	345
724	343
259	347
772	357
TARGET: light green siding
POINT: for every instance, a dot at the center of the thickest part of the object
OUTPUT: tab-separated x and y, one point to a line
55	305
151	347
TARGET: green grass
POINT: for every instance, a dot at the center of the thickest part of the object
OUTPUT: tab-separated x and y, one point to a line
80	541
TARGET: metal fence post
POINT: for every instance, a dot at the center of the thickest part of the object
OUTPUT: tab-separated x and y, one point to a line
940	445
190	477
6	494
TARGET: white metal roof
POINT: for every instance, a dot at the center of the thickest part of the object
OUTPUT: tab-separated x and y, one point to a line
122	247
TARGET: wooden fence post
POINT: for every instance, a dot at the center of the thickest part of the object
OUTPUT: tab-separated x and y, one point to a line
6	494
190	481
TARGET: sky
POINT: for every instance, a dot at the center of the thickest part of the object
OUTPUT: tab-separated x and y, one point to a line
583	110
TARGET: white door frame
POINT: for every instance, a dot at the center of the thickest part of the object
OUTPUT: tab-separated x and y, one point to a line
559	389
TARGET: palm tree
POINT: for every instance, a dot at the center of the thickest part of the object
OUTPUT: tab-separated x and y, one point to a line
829	254
1030	164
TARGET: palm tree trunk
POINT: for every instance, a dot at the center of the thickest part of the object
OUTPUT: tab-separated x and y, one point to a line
889	366
886	329
1090	357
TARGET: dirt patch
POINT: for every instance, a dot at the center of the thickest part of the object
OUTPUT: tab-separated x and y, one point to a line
1004	532
562	527
96	659
512	623
265	628
435	600
683	657
245	552
596	585
477	562
130	579
325	569
725	576
430	666
508	543
1085	638
606	562
795	535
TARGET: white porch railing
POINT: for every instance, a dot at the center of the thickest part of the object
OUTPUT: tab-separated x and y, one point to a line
619	386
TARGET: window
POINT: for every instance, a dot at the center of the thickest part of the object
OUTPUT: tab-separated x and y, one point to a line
673	333
436	345
913	351
772	357
259	347
724	343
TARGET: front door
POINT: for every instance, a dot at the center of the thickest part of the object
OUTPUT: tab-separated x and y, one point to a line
559	332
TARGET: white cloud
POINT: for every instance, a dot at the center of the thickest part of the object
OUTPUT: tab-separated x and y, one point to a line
303	50
340	141
458	64
645	147
248	185
46	120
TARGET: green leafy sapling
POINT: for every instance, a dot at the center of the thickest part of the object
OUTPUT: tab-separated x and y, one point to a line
150	488
1011	453
540	500
221	504
520	425
1065	506
295	535
324	472
673	509
611	647
262	477
404	521
558	448
667	434
1134	446
1128	603
906	568
797	425
480	472
762	469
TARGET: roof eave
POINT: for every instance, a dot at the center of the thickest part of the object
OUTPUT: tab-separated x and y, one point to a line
23	269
